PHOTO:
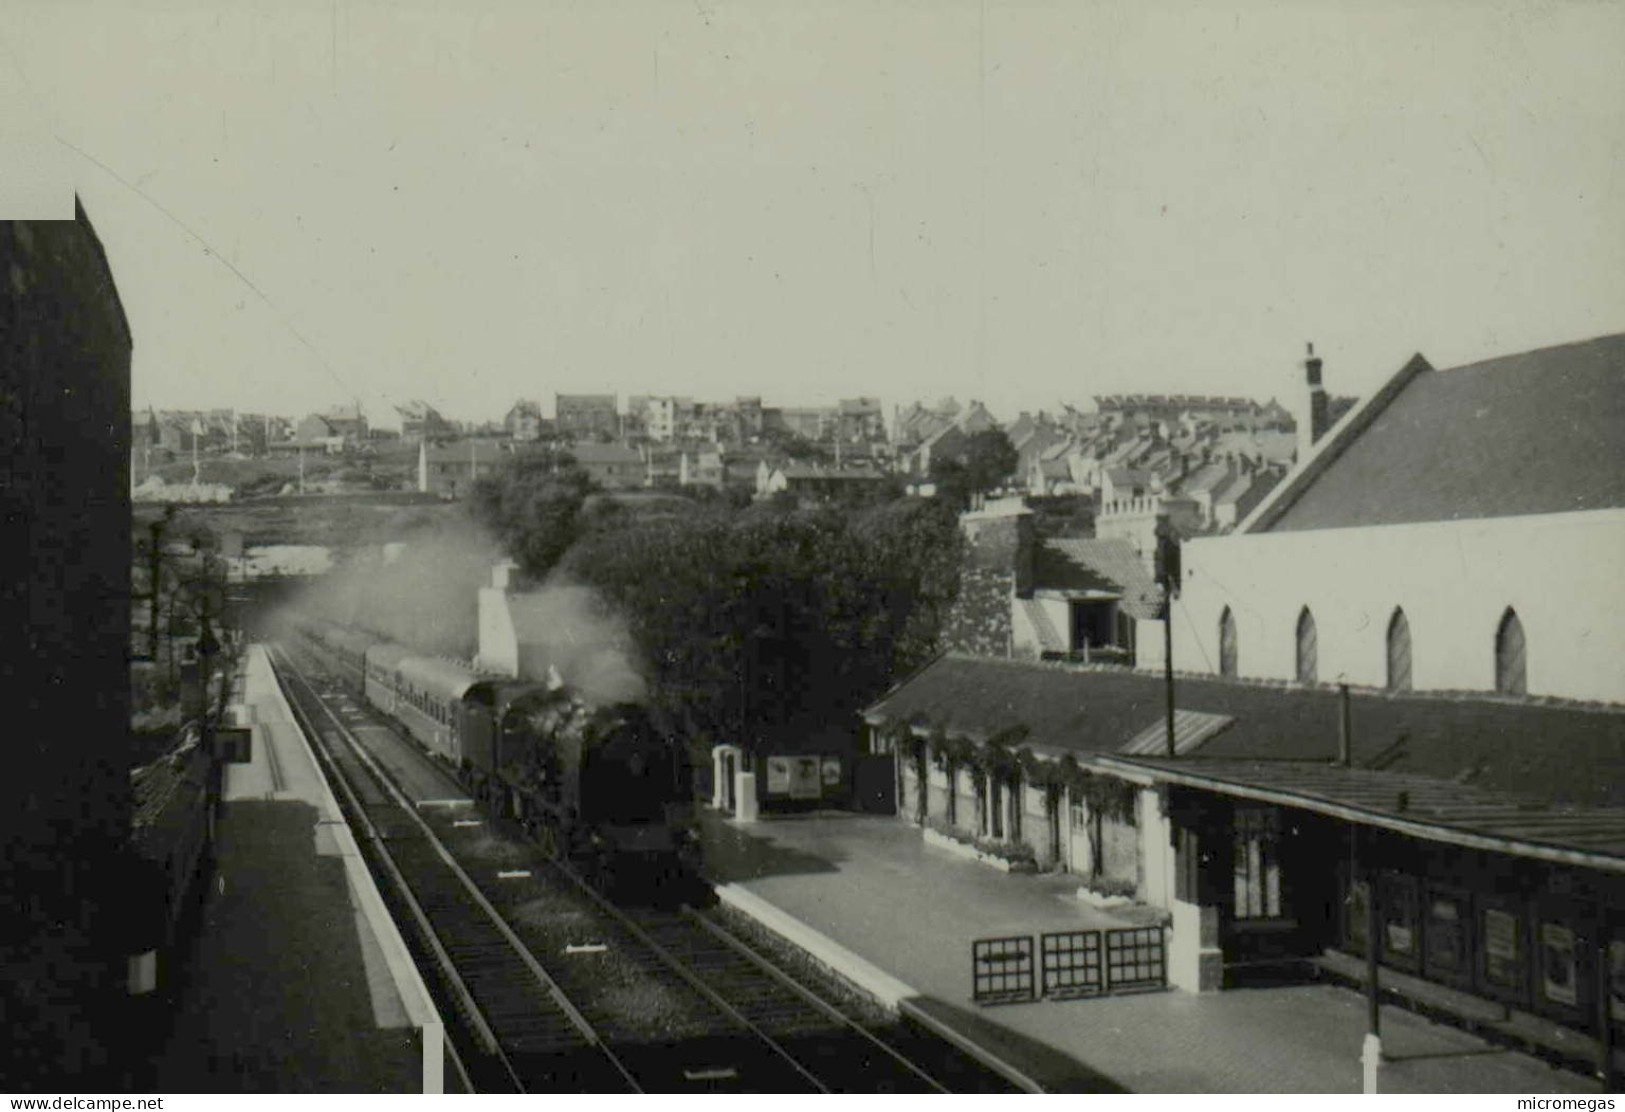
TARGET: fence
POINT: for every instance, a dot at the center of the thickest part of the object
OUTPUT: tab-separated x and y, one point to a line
1071	964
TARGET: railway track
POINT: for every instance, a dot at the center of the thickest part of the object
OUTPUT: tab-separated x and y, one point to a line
768	1029
519	1032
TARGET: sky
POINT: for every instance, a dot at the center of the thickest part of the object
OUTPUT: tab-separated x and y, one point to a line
1026	202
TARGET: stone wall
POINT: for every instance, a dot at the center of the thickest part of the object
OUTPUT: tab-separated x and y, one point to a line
979	620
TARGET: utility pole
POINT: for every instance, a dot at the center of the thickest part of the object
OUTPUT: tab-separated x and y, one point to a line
155	561
1168	551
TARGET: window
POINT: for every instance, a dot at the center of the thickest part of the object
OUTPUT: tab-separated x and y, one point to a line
1511	670
1308	650
1227	644
1258	864
1399	652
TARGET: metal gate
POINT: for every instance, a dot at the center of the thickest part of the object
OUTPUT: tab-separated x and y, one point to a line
1136	958
1002	970
1071	964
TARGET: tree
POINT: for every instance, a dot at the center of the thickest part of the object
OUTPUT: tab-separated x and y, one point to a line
773	617
534	507
985	461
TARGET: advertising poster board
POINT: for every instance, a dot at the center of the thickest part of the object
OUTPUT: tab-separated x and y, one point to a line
778	776
1502	955
805	781
1558	969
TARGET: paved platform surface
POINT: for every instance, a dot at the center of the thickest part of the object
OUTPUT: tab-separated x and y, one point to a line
390	745
871	885
286	987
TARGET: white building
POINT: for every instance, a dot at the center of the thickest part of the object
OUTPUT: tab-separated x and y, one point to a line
1460	530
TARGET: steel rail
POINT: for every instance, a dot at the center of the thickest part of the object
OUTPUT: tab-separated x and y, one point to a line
764	963
677	966
465	998
577	1020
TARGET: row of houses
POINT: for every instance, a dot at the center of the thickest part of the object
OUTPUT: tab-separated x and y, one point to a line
665	419
1397	712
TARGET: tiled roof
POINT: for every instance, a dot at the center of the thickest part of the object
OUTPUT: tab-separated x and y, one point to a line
588	454
829	473
1562	754
1191	729
1542	432
1098	564
1435	809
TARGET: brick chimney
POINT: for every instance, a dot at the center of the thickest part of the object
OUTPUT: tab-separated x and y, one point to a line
1312	425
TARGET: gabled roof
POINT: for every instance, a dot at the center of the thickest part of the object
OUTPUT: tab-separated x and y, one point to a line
1564	754
1098	564
1537	433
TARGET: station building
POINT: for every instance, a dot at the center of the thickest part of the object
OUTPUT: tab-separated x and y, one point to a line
1398	713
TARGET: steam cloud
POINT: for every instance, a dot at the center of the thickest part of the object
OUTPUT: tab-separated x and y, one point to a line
572	629
425	594
423	591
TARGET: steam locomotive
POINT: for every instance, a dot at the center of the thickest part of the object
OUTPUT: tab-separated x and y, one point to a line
607	787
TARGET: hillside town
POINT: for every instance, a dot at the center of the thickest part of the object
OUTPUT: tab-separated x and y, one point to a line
1209	459
975	548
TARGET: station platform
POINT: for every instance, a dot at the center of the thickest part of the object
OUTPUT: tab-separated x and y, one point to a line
296	980
867	896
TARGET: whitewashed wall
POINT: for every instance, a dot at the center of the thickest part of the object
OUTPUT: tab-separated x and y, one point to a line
1563	573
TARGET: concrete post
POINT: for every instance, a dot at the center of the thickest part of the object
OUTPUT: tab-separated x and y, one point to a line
1195	961
718	771
745	795
1370	1059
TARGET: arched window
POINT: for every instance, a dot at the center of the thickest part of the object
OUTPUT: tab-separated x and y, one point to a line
1227	644
1511	668
1399	652
1308	651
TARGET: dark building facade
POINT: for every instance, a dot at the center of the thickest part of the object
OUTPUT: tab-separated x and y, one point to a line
64	609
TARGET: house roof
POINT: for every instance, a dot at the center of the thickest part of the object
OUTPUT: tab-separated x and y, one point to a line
1547	425
460	451
1098	564
1564	754
1438	810
820	474
587	454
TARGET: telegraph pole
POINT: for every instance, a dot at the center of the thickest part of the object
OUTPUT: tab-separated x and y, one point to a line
1168	551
